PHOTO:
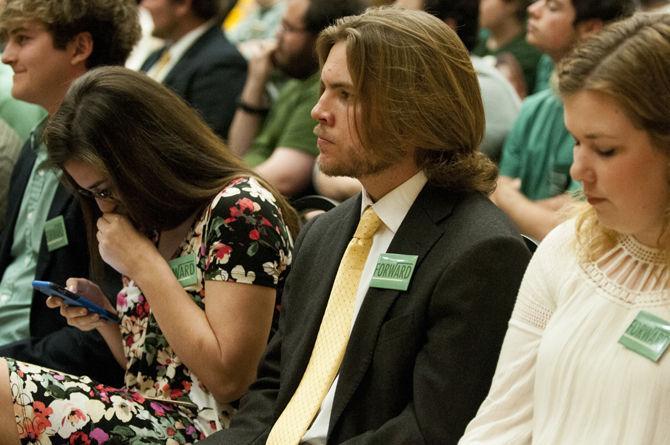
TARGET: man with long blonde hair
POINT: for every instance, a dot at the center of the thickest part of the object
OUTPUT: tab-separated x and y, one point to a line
392	335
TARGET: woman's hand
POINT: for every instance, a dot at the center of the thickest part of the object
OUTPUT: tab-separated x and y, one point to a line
121	245
80	317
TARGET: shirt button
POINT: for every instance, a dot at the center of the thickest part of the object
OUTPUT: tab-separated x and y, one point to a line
26	261
40	172
30	216
4	298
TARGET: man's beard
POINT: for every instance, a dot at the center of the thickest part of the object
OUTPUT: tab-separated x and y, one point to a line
297	66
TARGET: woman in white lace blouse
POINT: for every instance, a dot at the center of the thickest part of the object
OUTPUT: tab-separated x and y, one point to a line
584	359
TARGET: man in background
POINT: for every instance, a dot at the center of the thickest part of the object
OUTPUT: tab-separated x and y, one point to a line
276	138
198	62
49	44
535	180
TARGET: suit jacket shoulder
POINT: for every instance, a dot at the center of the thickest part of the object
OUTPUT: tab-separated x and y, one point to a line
209	76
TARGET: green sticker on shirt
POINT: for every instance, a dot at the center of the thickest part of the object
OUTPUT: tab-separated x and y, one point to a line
648	335
393	271
55	233
184	269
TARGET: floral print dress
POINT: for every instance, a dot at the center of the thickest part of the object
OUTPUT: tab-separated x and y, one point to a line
240	237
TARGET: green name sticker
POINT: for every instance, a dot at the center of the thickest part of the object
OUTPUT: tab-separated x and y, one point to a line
184	269
648	335
55	233
393	271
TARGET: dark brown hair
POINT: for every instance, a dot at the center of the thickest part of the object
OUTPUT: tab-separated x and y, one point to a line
162	159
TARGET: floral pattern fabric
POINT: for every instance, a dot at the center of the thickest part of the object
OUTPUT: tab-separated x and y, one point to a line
240	237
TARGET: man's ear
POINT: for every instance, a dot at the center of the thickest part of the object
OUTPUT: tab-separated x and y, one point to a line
80	47
588	27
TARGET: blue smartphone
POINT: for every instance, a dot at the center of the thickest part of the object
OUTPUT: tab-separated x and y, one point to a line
72	299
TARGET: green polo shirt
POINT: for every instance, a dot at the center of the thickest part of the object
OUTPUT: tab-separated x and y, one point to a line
545	68
289	123
525	53
538	149
16	292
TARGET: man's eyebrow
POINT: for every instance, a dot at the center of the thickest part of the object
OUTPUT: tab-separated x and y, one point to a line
17	30
335	85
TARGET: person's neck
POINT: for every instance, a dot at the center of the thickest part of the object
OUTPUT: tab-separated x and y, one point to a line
377	185
185	26
52	102
503	34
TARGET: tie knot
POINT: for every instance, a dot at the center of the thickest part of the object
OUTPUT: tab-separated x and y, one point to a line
368	224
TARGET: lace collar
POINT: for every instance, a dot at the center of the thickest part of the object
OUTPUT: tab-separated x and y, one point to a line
632	273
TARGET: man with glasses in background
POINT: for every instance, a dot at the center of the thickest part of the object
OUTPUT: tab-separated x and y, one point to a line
282	147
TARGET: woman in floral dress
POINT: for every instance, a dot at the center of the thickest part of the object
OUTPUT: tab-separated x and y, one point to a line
202	244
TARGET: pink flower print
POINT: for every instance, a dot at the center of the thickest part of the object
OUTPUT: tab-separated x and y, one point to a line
33	428
234	213
222	251
254	235
246	204
121	301
137	397
99	435
159	410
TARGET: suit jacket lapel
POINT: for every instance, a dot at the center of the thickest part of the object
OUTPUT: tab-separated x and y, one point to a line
185	63
417	234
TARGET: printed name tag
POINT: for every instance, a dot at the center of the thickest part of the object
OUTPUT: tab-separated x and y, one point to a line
648	335
55	233
184	269
393	271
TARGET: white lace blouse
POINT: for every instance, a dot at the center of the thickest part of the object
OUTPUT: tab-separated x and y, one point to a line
562	376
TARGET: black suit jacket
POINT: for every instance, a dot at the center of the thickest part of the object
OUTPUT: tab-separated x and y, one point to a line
209	76
53	343
418	363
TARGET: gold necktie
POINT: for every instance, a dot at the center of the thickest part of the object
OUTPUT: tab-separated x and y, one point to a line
160	64
331	341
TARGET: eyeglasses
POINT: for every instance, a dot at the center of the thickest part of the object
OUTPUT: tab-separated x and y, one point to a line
104	194
286	27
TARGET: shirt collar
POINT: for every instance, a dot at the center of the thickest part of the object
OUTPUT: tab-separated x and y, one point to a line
178	48
393	206
35	137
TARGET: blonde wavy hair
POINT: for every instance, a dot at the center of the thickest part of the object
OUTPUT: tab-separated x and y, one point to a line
630	62
417	89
